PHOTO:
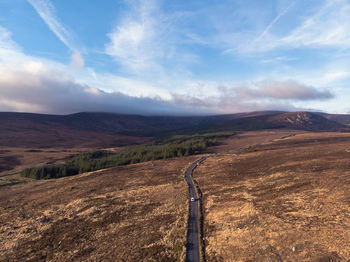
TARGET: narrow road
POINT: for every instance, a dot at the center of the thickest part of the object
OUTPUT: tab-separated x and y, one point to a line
192	249
193	234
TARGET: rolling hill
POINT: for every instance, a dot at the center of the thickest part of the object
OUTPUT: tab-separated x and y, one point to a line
306	121
340	118
108	129
276	120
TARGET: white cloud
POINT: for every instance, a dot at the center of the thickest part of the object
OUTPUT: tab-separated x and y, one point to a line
8	48
129	45
38	85
147	41
50	92
277	59
330	26
33	84
13	62
136	87
274	21
46	91
335	75
281	90
135	41
11	105
47	12
77	60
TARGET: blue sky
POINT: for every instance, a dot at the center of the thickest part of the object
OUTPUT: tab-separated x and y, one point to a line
174	57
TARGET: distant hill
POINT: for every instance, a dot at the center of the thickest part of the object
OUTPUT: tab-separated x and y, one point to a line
340	118
89	129
108	129
273	120
306	121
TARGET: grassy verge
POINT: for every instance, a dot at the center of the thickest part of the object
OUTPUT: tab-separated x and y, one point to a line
178	234
175	146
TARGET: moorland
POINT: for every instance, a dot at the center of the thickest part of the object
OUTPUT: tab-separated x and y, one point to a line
275	186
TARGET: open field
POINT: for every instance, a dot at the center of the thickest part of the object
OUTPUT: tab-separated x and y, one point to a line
286	200
130	213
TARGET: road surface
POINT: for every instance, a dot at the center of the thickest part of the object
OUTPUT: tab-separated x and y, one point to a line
192	248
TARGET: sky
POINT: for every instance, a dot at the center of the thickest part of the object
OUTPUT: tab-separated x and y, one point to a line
157	57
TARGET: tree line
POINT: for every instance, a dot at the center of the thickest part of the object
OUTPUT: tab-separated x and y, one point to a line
175	146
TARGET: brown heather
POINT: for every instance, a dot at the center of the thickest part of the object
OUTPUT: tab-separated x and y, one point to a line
283	200
130	213
268	196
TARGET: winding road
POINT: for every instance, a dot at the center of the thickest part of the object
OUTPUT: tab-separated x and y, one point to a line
192	249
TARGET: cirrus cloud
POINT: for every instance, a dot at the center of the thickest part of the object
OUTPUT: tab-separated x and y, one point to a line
47	12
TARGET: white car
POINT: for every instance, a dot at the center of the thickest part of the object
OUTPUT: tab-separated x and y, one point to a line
192	199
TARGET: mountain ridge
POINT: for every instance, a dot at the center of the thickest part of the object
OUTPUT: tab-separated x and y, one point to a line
29	128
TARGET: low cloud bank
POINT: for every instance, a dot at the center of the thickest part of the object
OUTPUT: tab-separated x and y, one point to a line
284	90
42	91
50	93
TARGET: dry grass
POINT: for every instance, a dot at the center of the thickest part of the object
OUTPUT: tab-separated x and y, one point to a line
286	200
282	200
131	213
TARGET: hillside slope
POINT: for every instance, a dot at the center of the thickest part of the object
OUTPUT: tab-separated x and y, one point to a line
340	118
292	120
92	129
305	121
107	129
